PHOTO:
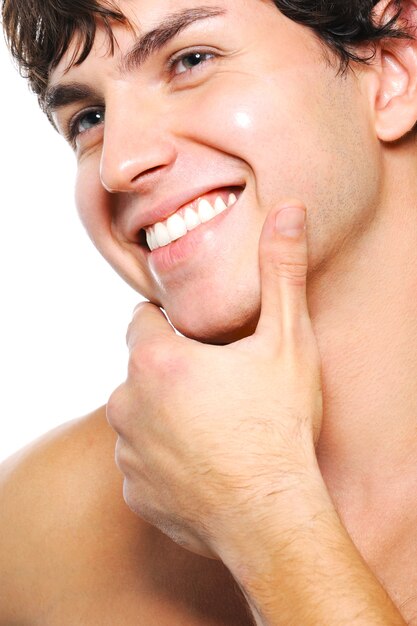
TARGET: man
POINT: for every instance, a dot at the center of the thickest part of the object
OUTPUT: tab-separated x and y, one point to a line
227	125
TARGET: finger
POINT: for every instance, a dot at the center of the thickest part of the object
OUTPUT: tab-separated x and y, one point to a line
283	265
148	322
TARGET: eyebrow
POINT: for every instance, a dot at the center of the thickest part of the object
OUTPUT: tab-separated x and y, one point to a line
170	27
60	95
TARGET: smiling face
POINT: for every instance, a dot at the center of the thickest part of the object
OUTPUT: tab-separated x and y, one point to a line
211	127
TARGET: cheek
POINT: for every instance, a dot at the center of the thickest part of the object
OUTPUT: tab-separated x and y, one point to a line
266	124
95	208
92	201
231	119
298	135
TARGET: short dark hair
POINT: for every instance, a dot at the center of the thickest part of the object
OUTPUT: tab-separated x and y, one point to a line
39	32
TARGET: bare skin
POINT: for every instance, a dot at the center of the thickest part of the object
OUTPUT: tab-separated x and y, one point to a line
364	318
89	560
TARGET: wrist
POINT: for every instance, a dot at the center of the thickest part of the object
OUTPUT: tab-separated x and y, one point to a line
271	517
297	564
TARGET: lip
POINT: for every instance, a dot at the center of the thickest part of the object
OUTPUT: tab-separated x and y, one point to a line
193	246
171	205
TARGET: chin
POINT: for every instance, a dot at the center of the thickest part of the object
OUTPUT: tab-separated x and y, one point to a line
217	325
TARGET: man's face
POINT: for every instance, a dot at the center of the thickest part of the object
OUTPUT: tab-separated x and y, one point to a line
240	107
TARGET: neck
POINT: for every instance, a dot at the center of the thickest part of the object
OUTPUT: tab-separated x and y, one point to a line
365	317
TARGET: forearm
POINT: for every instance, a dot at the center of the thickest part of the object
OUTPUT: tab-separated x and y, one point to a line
308	571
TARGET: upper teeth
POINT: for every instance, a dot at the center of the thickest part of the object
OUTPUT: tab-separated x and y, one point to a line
178	224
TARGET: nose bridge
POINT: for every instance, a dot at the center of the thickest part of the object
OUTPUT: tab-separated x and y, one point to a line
136	141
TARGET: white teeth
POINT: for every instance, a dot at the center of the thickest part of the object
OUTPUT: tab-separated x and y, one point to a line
153	239
205	210
219	205
149	238
191	218
232	199
176	226
161	235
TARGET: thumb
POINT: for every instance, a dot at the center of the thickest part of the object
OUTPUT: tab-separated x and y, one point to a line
283	265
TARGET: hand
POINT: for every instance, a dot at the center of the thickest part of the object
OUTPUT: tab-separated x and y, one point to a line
210	435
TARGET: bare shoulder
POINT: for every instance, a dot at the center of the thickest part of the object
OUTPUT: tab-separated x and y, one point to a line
63	523
66	474
71	552
63	456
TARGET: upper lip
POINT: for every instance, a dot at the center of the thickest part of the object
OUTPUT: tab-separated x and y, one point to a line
161	211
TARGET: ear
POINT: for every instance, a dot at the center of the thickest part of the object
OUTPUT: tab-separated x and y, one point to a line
396	98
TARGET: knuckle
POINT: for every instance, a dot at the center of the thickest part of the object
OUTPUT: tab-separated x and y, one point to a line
135	363
154	353
143	357
293	271
156	356
290	263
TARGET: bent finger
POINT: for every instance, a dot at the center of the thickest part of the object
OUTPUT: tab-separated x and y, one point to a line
148	322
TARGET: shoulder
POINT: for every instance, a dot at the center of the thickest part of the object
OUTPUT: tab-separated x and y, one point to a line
63	522
65	466
71	551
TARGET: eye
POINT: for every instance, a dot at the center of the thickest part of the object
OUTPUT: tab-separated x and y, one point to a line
187	62
84	121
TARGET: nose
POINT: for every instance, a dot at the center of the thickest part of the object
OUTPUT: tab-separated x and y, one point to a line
137	145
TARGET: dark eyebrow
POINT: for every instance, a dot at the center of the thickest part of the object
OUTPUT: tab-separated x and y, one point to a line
60	95
157	38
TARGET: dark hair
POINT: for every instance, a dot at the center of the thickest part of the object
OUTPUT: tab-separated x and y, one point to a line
39	32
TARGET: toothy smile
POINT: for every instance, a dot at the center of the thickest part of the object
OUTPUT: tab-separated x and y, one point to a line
189	216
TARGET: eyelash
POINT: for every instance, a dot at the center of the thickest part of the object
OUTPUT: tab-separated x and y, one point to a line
184	55
72	133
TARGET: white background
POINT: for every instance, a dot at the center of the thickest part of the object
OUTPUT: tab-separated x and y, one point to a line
63	310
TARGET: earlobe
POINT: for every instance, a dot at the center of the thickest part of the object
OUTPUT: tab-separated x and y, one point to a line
396	99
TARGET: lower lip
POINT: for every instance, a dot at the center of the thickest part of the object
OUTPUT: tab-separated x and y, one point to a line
179	252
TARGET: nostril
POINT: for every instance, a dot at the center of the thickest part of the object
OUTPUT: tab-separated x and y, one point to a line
147	173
